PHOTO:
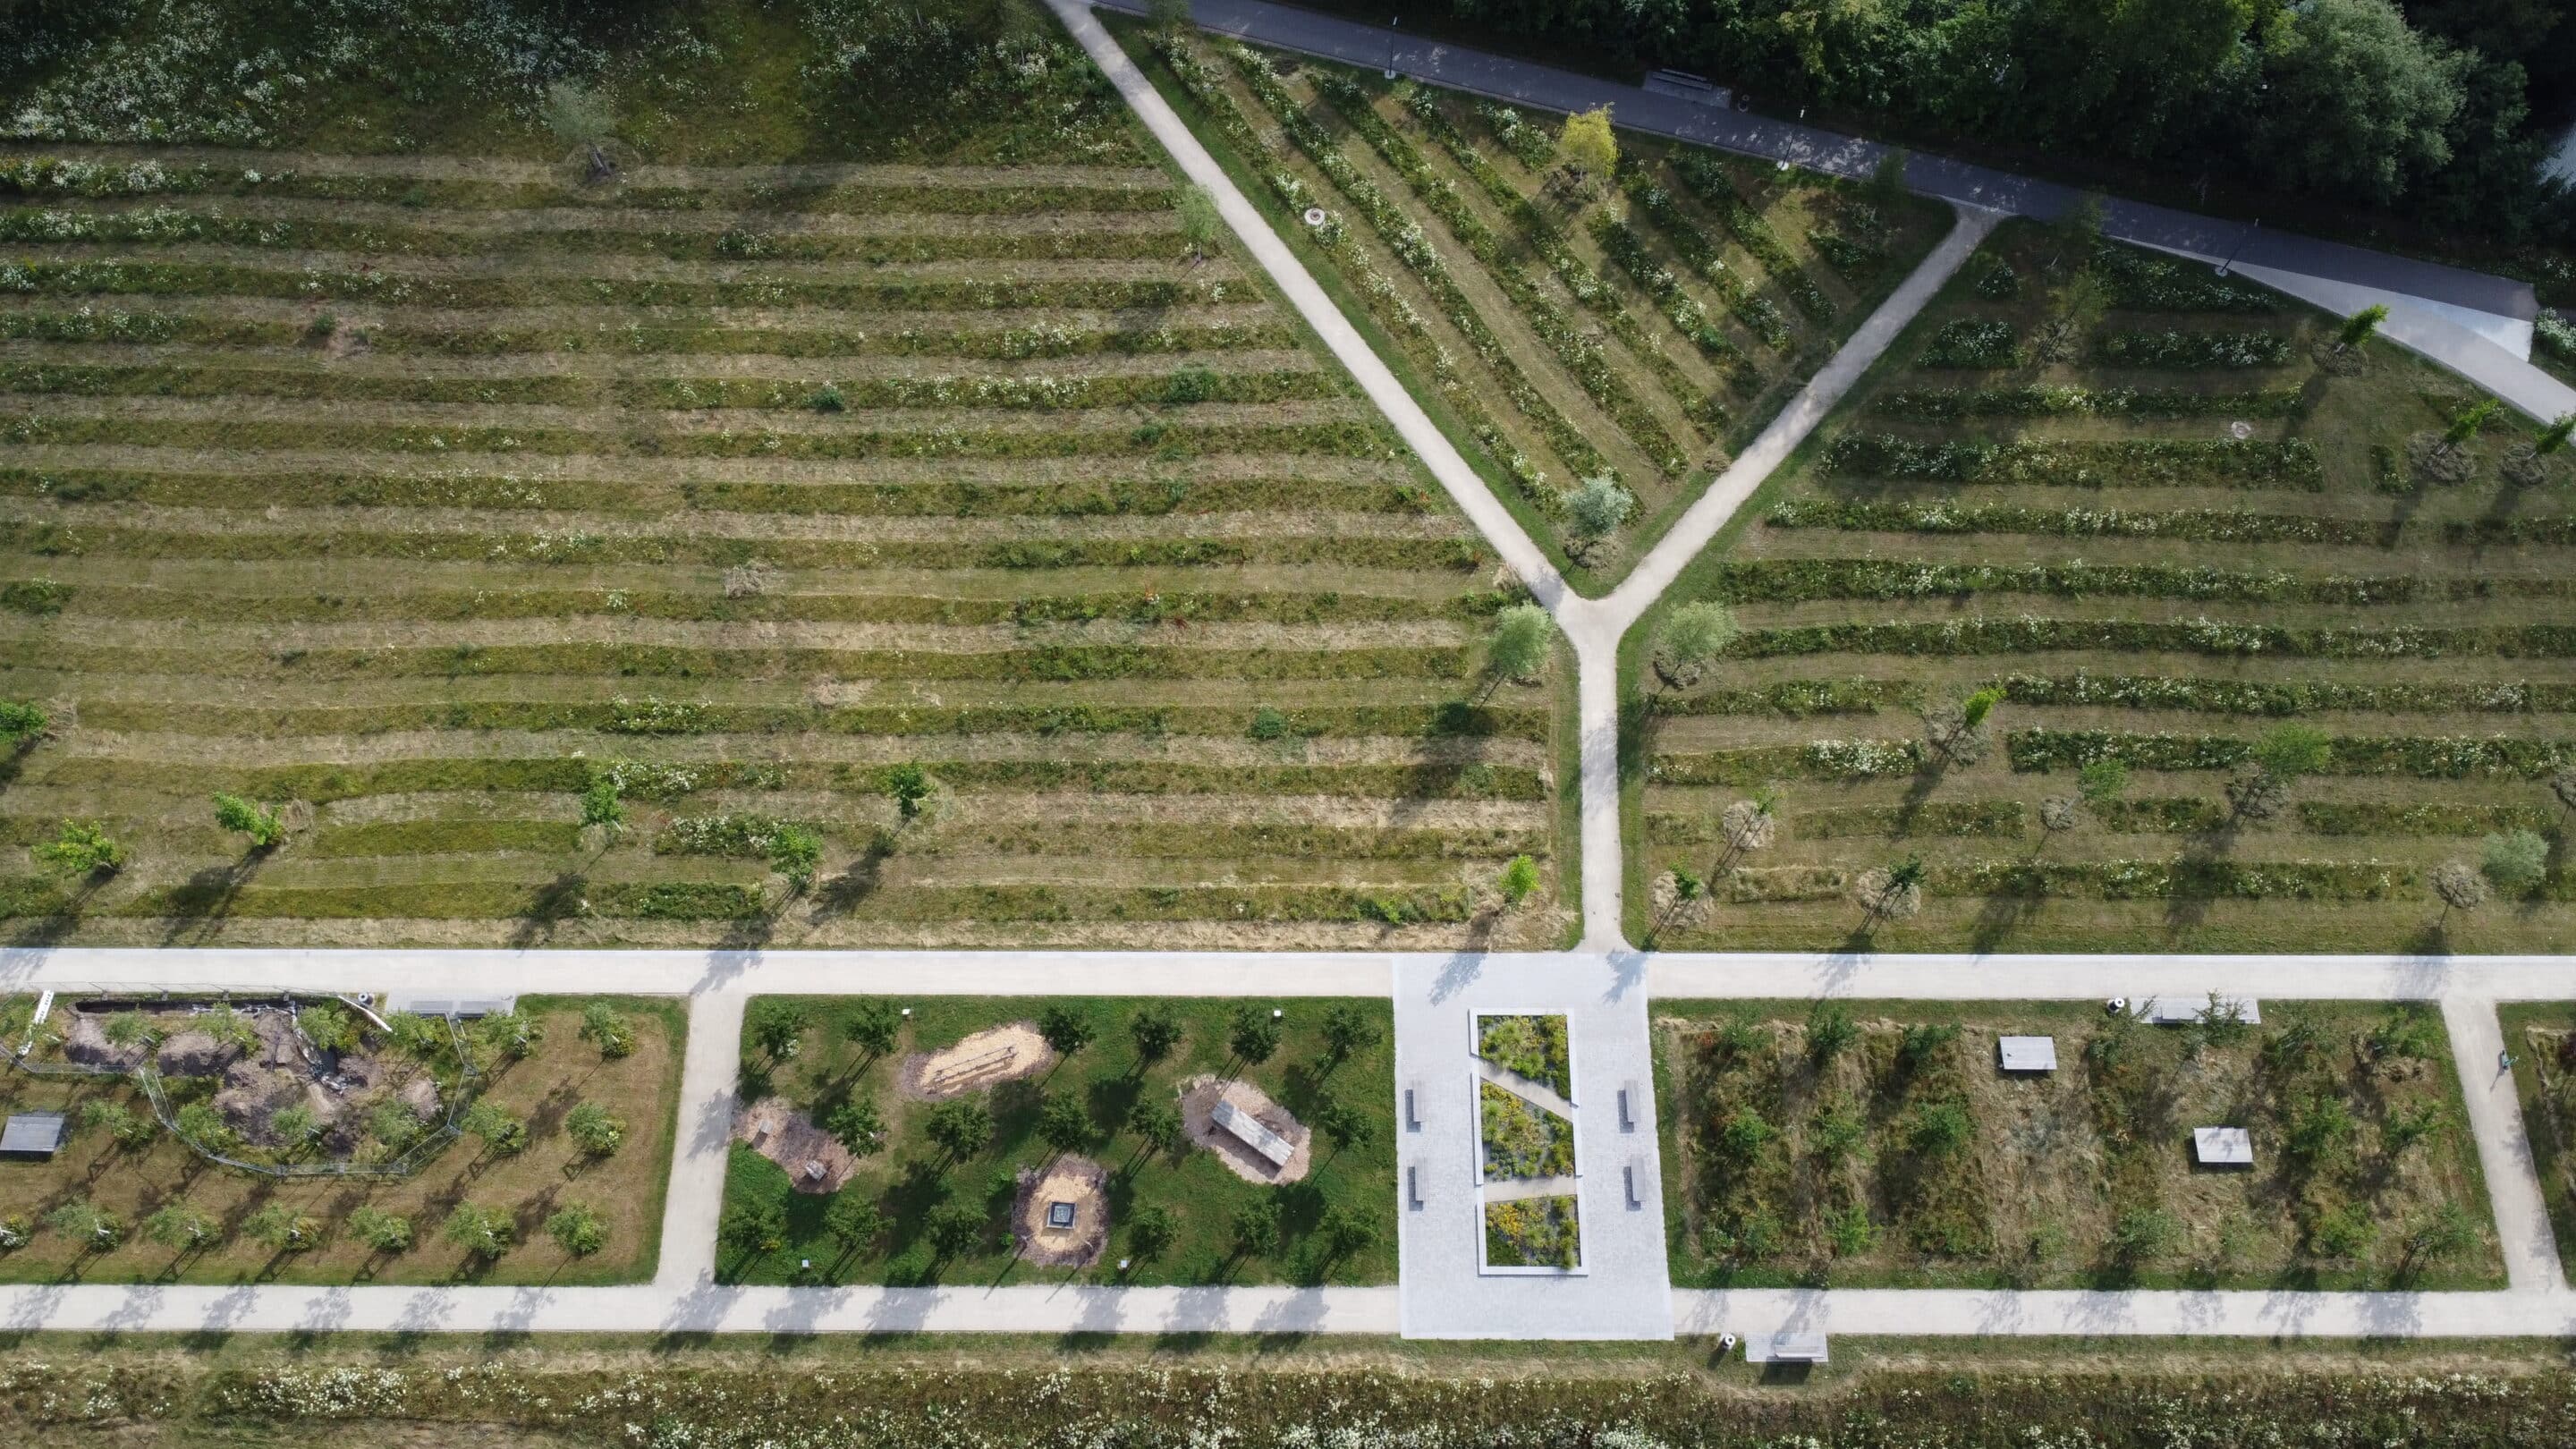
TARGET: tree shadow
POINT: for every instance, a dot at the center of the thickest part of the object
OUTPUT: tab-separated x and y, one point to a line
555	902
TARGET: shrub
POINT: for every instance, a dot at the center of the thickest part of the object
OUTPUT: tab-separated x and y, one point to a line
1941	1129
281	1229
381	1231
2140	1234
1597	507
1972	342
1850	1231
129	1130
2516	861
2343	1231
181	1227
1744	1134
1520	877
1829	1030
20	721
593	1129
578	1229
909	785
483	1232
795	852
94	1228
502	1133
2193	351
1836	1134
81	848
1269	724
605	1027
826	399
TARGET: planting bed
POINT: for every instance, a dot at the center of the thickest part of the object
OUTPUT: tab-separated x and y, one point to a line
1535	1047
1643	330
921	543
2153	517
1878	1143
241	1236
1533	1232
2541	1037
1180	1206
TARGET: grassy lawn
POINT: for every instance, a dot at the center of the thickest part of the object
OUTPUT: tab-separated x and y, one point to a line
2154	519
865	519
2538	1034
911	1178
1877	1143
550	1174
1642	328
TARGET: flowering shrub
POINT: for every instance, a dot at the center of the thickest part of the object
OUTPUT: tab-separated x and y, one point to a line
2124	462
2253	697
2192	351
2425	757
2213	524
2038	400
1972	342
1707	177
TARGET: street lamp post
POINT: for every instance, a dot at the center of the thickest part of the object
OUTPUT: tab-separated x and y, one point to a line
1391	27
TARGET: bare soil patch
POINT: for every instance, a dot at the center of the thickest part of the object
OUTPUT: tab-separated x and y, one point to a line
815	1160
1004	1053
1075	1181
1199	1096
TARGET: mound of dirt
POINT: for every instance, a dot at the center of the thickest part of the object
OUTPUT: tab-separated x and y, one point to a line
1078	1181
1199	1096
197	1054
989	1058
85	1041
814	1159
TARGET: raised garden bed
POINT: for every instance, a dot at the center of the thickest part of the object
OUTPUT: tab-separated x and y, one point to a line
1533	1232
1534	1046
1522	1138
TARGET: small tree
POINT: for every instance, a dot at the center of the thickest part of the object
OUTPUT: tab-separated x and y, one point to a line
961	1127
1941	1129
754	1227
607	1028
2552	437
381	1231
776	1026
281	1229
1255	1228
578	115
1519	878
1973	710
578	1229
1062	1123
507	1035
796	852
1156	1124
294	1128
1894	893
20	722
394	1124
594	1129
1346	1232
954	1228
1346	1125
2140	1234
2447	1233
129	1130
95	1228
81	848
2461	888
329	1028
1595	508
1829	1030
129	1029
481	1231
2056	814
180	1227
1349	1028
910	787
853	1221
1168	16
1150	1231
250	818
2358	328
1199	220
2289	751
857	1125
1693	635
2516	861
1750	824
202	1125
1155	1030
502	1134
873	1026
1065	1028
1587	149
1518	648
602	805
2464	425
1254	1034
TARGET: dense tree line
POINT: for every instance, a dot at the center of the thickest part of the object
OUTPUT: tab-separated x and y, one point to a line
2428	110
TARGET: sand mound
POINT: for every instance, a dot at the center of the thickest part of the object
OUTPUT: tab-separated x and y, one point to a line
1075	1180
990	1057
1199	1096
814	1159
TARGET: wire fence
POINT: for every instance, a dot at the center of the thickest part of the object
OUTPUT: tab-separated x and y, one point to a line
412	1158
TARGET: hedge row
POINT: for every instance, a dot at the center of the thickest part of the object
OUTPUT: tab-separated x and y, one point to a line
1992	819
221	279
1790	580
1971	342
2149	283
998	344
1628	250
1703	257
1190	384
2260	697
2334	817
1707	177
2126	462
2161	815
2191	351
2027	634
176	226
2418	756
1815	760
1583	358
1388	304
2213	525
1795	698
48	538
1350	438
2043	400
2184	877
